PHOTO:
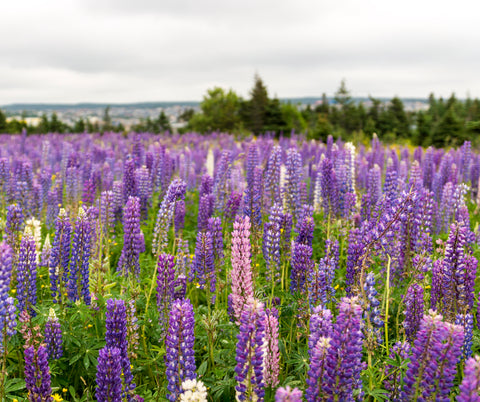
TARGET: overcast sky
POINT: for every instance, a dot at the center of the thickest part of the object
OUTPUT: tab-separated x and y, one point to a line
158	50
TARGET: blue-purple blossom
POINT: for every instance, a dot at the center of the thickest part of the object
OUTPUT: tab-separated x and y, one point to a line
109	371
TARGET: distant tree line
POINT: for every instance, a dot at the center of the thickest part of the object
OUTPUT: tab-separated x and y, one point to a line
55	125
446	122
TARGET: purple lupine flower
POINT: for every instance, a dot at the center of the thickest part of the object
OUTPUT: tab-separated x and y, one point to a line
13	226
205	211
176	191
233	205
320	326
305	231
317	387
329	188
107	211
466	321
254	197
165	288
413	310
215	228
433	363
118	203
180	356
53	336
180	287
393	376
221	177
60	256
250	350
80	260
52	208
37	374
354	255
206	185
374	184
288	395
109	380
344	359
11	316
116	337
89	191
372	309
470	386
271	250
129	262
251	163
5	278
129	183
179	220
318	284
203	265
293	177
271	359
27	274
144	189
301	264
272	175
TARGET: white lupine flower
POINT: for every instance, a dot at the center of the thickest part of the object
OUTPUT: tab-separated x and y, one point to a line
34	227
210	162
194	391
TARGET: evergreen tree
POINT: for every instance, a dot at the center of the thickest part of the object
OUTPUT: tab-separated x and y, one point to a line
258	105
3	122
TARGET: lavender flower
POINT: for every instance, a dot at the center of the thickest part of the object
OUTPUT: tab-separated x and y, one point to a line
165	288
288	395
414	310
109	380
53	336
80	260
60	255
249	370
27	275
180	358
37	374
301	264
433	364
129	262
470	386
116	337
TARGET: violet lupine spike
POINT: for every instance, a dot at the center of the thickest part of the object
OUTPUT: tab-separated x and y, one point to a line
203	265
293	177
373	308
250	353
180	356
233	205
254	197
37	374
129	182
221	178
80	260
215	228
205	211
107	212
301	265
414	308
241	273
321	326
27	274
329	188
129	262
165	288
13	226
116	337
433	363
108	379
11	317
317	387
318	284
5	279
354	255
206	185
179	220
272	175
60	256
288	394
144	189
466	321
176	191
344	360
271	251
53	336
271	358
305	232
470	386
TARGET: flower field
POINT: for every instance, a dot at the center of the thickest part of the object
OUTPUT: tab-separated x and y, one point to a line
191	268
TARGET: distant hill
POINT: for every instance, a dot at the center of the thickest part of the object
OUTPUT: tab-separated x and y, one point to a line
19	107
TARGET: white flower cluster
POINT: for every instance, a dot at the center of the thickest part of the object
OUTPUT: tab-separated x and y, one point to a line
193	391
